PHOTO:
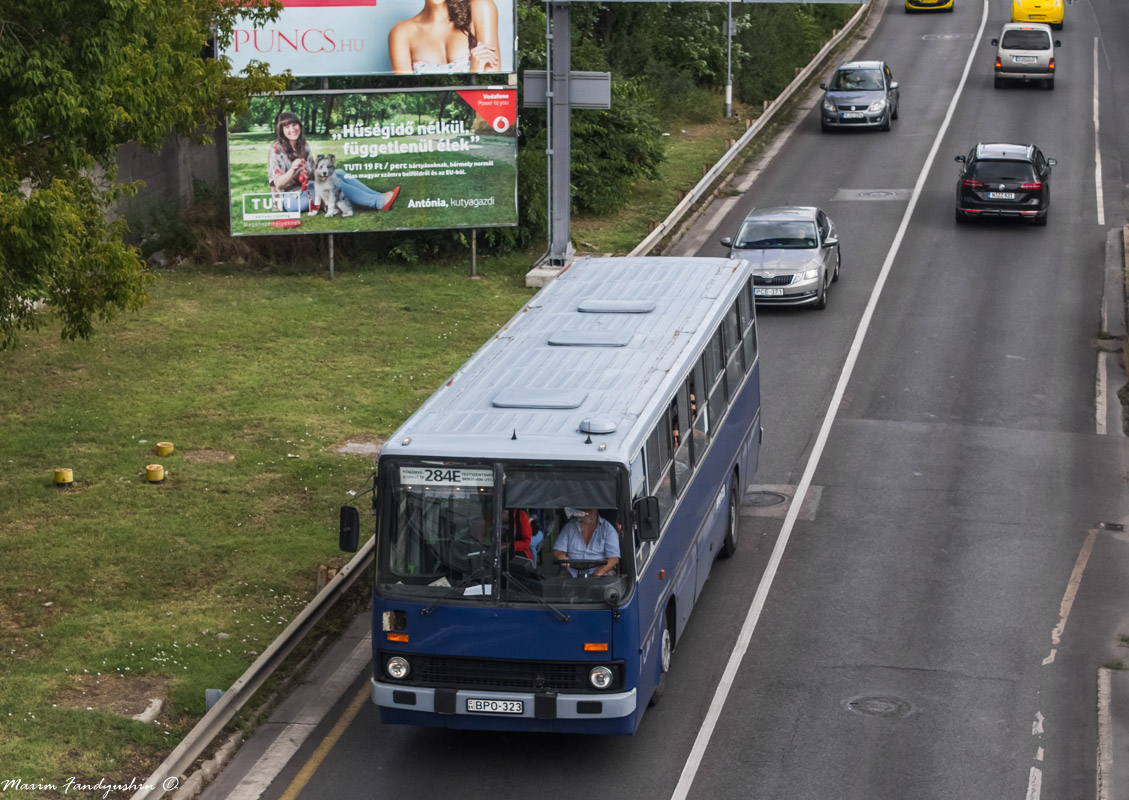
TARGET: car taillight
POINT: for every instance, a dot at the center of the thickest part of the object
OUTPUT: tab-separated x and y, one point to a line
1034	186
998	64
967	184
1052	64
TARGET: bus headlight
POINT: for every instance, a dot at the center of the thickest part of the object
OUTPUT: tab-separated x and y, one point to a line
397	667
601	677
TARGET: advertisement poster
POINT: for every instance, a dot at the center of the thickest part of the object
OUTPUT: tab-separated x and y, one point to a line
362	161
316	38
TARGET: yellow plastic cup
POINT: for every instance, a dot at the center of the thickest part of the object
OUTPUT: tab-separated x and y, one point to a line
164	448
154	473
64	478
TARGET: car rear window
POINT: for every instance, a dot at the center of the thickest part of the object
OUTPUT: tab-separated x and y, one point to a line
992	171
1026	40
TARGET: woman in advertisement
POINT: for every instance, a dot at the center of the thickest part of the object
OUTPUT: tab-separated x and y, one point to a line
447	36
290	172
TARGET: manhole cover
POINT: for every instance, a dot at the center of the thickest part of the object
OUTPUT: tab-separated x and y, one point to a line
762	499
880	706
877	193
942	37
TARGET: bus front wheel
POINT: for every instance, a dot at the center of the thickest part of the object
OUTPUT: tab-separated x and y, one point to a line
729	546
666	650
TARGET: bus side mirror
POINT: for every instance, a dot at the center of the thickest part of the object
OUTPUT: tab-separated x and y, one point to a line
350	531
646	512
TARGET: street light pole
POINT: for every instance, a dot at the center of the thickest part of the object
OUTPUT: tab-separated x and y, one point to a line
729	64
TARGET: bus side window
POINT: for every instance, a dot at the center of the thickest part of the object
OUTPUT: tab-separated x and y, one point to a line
748	330
715	377
682	466
659	466
734	371
699	410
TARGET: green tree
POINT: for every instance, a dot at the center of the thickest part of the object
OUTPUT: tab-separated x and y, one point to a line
81	78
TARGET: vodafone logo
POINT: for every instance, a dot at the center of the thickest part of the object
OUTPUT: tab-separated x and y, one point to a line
501	124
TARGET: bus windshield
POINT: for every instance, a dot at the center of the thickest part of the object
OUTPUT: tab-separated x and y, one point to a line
444	540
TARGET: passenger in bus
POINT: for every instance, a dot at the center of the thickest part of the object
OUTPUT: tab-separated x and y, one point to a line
588	537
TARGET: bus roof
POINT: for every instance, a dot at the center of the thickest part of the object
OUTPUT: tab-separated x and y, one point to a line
588	361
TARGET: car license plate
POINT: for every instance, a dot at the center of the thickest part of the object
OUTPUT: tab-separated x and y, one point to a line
487	706
767	292
852	115
1001	195
1024	59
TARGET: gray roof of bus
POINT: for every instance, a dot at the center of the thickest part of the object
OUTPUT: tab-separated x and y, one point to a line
608	366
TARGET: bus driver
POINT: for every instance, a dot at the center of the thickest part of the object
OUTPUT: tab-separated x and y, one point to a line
589	537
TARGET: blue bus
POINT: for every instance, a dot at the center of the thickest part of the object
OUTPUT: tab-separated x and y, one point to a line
627	386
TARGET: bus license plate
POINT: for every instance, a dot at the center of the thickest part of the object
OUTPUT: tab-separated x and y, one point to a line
484	706
765	292
1001	195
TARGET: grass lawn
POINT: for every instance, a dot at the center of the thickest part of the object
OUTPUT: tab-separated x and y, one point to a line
118	590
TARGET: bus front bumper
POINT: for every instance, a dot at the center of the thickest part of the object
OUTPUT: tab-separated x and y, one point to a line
532	705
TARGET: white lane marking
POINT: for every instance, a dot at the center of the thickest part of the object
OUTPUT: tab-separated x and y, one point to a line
1072	586
741	646
1039	754
1105	737
1051	658
1034	784
1097	144
283	748
1037	725
1099	395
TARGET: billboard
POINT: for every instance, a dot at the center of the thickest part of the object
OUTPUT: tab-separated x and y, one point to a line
314	38
331	162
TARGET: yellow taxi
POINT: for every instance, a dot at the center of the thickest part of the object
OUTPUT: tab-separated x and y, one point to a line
928	5
1047	11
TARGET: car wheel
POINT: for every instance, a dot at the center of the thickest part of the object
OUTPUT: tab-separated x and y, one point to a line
885	126
999	82
961	218
895	114
821	300
823	126
729	545
838	261
1048	83
1042	221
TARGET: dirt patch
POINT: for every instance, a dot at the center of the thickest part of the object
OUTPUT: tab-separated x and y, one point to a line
363	444
207	456
127	697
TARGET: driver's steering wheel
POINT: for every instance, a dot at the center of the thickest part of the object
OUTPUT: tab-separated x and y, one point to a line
581	564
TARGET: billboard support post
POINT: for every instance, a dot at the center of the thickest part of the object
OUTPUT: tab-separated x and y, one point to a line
560	122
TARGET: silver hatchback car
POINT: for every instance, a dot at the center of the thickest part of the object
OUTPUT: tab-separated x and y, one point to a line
1025	52
861	94
794	251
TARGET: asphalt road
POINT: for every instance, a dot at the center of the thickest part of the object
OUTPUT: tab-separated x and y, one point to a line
922	635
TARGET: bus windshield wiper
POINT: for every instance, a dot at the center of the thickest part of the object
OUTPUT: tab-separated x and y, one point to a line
561	616
477	575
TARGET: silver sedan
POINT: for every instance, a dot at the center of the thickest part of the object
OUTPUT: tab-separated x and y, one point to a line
794	251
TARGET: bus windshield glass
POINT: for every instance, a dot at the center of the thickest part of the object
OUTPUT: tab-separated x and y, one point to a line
444	541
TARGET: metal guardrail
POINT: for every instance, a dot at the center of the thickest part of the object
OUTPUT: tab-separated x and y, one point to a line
212	723
705	184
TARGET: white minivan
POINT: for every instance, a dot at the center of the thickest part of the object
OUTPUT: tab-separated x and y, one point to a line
1025	52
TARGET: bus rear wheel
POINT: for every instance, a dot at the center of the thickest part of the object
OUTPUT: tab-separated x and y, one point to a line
729	546
666	650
